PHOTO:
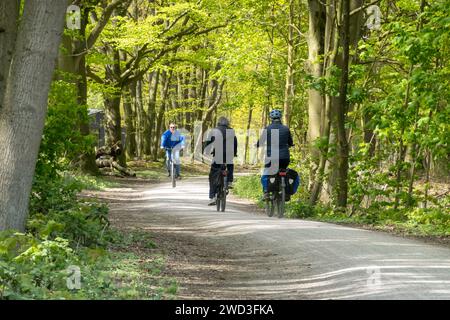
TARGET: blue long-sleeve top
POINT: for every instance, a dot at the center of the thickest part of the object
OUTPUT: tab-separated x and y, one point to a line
169	140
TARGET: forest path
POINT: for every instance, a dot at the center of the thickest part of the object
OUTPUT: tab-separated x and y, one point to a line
242	254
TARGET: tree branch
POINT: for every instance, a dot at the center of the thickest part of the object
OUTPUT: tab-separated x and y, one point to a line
175	22
211	29
103	21
93	76
364	7
127	79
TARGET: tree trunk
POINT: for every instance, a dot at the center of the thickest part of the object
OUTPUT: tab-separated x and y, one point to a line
140	119
24	105
203	90
187	104
321	41
213	101
289	91
149	134
247	136
88	158
132	88
162	108
113	119
72	60
314	68
174	96
180	97
427	176
343	151
130	120
402	149
9	14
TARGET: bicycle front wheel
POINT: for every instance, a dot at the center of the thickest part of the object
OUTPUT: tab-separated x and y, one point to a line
172	174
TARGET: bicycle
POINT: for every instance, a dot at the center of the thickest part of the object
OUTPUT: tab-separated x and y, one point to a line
277	196
222	189
172	169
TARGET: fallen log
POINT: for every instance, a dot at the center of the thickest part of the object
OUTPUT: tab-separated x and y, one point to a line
110	163
106	157
114	151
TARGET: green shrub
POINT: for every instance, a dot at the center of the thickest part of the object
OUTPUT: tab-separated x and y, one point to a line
62	142
248	187
300	209
33	269
55	212
429	217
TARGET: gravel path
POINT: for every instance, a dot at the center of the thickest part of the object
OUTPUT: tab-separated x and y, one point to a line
242	254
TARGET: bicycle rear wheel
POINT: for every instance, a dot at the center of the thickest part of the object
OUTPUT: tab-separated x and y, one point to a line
224	194
280	208
218	202
223	203
282	199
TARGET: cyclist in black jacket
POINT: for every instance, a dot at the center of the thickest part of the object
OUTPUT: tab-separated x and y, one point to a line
222	143
278	139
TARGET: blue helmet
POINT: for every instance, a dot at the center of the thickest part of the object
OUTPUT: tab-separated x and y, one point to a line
275	114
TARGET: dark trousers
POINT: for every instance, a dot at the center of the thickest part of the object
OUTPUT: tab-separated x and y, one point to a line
283	164
215	169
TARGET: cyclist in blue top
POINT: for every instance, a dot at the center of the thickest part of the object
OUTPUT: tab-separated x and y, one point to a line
173	140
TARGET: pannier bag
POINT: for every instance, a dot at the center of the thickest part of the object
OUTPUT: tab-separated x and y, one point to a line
273	183
292	181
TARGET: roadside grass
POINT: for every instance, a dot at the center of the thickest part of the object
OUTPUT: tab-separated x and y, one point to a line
33	269
138	270
151	170
156	170
148	170
89	182
248	187
420	222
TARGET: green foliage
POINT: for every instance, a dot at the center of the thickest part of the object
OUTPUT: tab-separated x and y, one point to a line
403	98
64	231
87	182
62	141
430	217
55	211
300	209
399	82
248	187
421	222
33	269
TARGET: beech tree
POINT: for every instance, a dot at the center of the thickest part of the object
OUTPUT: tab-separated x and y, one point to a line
28	52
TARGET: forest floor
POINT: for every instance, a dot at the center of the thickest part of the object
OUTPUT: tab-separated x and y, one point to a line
242	254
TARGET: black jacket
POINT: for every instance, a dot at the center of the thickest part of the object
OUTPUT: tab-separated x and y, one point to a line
228	147
285	140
